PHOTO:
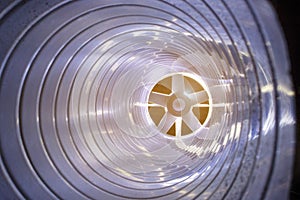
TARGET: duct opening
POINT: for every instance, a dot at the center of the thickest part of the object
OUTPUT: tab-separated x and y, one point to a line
178	105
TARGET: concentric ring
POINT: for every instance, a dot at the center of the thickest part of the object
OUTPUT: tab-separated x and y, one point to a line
77	82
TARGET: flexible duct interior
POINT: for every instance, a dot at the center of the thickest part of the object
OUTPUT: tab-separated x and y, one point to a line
83	101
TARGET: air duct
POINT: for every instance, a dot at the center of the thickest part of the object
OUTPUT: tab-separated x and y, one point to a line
131	99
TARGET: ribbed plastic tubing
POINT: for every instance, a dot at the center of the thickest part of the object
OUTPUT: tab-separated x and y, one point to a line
144	99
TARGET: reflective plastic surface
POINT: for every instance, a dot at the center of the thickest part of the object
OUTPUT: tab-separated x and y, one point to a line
144	100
